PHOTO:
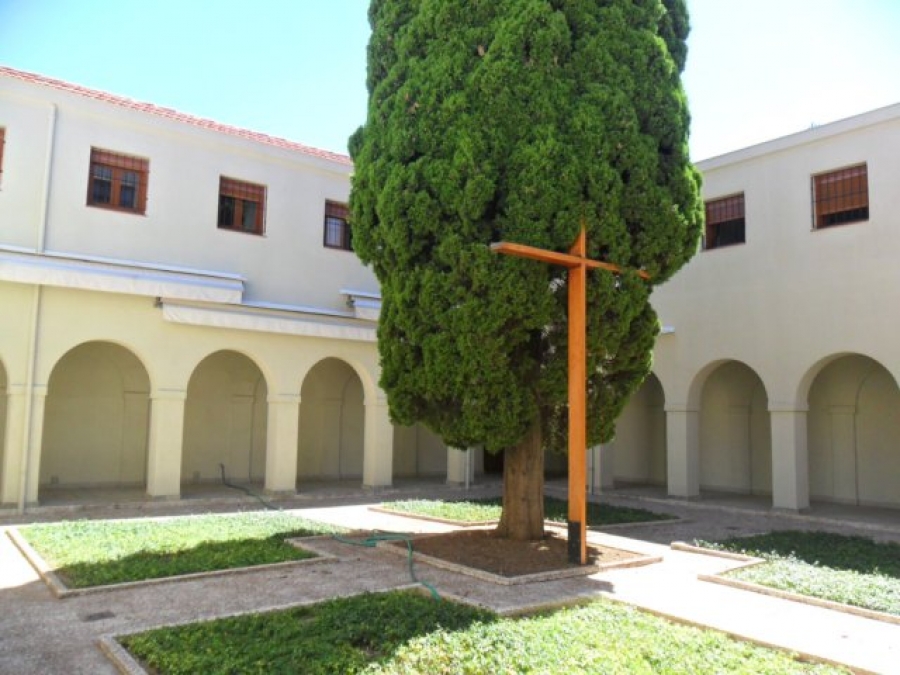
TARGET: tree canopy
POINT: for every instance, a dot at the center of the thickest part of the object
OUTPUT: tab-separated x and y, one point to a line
518	120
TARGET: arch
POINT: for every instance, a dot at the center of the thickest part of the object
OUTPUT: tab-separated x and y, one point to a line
640	443
853	425
331	441
225	418
96	419
735	431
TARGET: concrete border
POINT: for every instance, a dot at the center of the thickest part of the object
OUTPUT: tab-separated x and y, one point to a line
126	664
803	657
61	591
751	561
554	575
377	508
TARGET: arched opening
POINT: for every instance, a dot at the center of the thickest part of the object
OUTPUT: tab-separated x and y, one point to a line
853	427
225	417
418	452
735	432
96	420
332	423
640	442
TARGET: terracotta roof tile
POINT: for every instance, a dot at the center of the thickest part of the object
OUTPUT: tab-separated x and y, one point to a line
174	115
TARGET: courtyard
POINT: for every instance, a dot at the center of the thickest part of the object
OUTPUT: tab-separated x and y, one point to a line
45	634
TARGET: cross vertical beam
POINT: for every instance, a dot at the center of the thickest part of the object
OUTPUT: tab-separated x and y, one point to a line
577	516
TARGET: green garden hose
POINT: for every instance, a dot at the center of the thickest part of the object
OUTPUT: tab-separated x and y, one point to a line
372	541
269	505
369	542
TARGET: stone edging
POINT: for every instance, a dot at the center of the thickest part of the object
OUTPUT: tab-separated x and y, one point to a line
581	571
547	523
128	665
61	591
433	519
749	561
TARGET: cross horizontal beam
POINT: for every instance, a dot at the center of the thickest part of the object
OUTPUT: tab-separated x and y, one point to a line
553	257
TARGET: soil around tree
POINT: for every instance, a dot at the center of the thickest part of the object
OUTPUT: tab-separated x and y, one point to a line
484	550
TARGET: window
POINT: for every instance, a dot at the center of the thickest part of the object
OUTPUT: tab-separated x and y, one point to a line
725	221
840	196
241	206
118	181
337	226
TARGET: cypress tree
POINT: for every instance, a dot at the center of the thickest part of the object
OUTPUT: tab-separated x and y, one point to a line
519	120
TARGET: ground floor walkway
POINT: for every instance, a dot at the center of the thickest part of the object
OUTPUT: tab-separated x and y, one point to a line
42	634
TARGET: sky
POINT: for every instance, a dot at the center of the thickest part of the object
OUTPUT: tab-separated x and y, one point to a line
757	69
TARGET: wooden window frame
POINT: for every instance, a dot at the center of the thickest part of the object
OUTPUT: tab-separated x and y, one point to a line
235	197
121	172
337	220
725	211
840	196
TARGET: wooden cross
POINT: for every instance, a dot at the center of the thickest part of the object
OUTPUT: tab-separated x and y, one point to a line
577	262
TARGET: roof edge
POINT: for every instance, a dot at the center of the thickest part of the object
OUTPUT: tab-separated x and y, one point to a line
820	132
172	114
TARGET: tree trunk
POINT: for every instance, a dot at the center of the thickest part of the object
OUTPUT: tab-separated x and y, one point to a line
522	518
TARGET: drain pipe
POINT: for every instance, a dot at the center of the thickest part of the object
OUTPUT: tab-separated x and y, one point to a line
25	464
592	452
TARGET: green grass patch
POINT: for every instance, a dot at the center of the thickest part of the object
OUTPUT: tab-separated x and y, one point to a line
88	553
405	633
486	510
850	570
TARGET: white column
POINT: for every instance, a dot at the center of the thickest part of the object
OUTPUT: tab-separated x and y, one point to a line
683	451
601	460
33	452
165	443
13	446
459	460
790	466
282	436
378	455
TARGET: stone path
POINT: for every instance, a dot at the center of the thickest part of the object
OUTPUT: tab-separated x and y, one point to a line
43	635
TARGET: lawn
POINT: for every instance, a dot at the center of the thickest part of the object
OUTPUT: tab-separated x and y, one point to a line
486	510
403	632
850	570
87	553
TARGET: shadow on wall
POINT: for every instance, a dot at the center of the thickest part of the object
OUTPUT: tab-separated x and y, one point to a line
225	418
332	423
96	419
854	433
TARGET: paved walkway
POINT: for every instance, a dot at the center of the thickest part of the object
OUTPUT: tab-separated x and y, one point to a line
43	635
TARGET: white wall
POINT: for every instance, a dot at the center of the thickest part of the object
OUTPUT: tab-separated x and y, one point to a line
640	441
225	421
96	416
790	296
288	265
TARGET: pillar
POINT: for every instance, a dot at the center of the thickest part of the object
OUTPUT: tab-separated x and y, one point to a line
683	451
790	466
378	454
165	443
601	469
282	436
458	461
13	445
33	452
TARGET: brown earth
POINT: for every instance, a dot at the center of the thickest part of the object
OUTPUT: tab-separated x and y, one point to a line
483	550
